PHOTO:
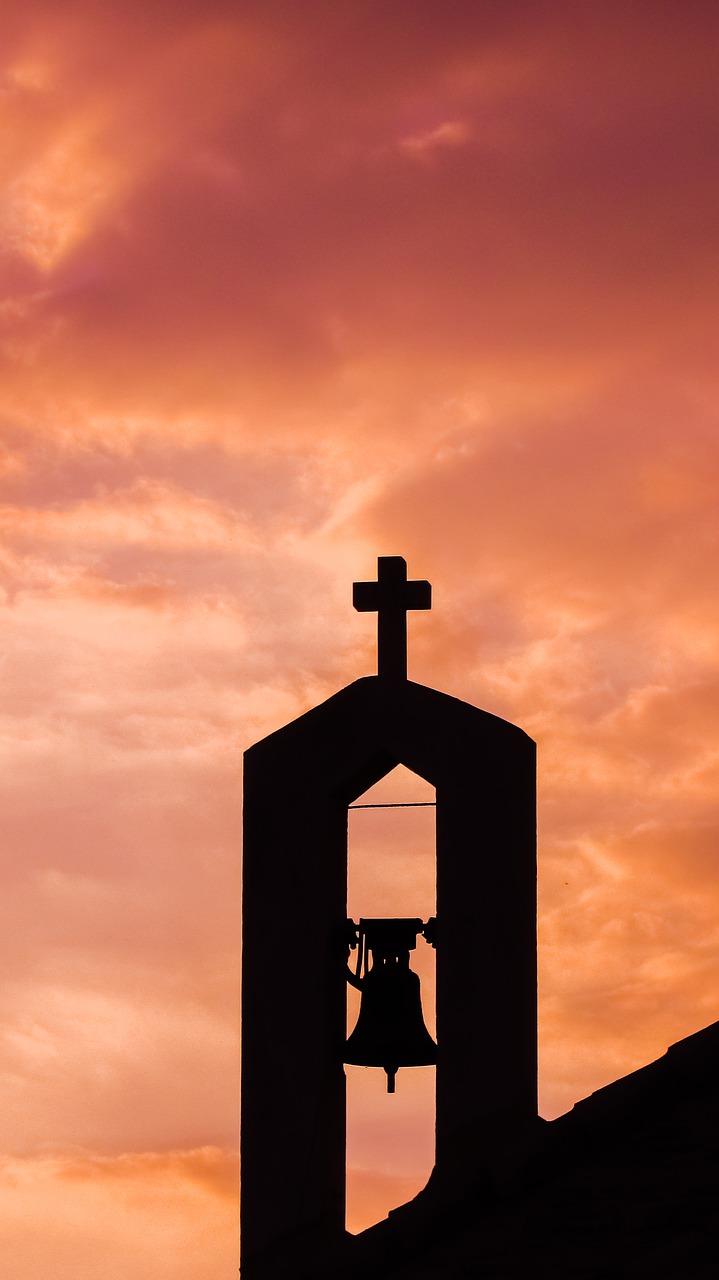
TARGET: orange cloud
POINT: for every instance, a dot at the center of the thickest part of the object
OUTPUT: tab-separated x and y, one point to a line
148	513
149	1213
283	291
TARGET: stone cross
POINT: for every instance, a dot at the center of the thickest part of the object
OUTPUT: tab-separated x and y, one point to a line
390	597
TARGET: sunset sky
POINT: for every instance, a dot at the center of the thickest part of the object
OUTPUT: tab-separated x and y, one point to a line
288	286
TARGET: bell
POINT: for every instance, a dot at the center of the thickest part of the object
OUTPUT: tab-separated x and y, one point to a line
390	1030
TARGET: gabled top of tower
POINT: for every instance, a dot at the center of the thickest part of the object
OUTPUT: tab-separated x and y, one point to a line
357	735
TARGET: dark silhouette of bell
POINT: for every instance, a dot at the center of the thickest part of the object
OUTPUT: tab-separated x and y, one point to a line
390	1030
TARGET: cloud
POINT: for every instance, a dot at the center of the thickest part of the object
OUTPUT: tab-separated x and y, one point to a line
149	513
451	133
283	292
294	241
211	1168
158	1214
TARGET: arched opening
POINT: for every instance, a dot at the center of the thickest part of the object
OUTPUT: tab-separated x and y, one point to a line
391	872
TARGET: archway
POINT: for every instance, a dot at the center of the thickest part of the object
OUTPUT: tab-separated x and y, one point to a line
390	1148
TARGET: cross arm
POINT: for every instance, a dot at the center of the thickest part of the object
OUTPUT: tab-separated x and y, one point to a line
365	597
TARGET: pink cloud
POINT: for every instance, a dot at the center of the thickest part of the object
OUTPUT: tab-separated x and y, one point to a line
250	341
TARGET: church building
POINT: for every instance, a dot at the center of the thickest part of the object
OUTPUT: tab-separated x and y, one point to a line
619	1186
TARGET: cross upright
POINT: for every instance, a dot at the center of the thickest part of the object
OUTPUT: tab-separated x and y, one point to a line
390	597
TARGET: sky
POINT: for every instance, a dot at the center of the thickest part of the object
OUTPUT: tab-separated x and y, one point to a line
287	287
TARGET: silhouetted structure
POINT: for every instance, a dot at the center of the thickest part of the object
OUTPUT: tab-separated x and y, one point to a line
298	785
623	1187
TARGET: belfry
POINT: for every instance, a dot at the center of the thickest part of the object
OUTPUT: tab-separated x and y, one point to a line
298	784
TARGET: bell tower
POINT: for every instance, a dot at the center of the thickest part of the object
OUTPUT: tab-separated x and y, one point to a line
298	784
